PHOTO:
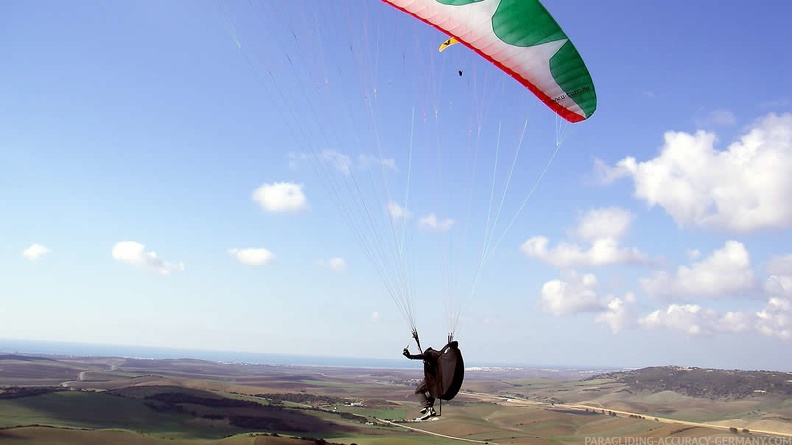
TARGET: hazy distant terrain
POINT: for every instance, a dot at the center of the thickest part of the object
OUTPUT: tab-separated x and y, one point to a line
90	400
703	382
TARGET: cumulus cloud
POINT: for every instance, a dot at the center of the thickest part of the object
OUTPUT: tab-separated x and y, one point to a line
35	251
575	293
779	285
252	256
774	320
430	221
734	322
398	212
135	254
743	188
610	222
780	265
602	228
618	313
572	295
280	197
339	161
689	318
602	252
336	264
724	273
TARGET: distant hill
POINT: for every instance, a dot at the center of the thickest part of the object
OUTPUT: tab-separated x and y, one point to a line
24	358
704	382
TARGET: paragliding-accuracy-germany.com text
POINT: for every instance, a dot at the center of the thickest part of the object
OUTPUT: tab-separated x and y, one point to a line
717	440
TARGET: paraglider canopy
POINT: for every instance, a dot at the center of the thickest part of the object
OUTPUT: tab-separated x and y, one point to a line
378	122
521	38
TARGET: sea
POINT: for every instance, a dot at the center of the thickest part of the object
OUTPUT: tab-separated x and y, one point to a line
68	349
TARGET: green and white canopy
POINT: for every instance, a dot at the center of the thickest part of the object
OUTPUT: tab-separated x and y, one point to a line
522	39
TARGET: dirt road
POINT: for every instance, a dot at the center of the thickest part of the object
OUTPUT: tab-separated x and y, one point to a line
431	433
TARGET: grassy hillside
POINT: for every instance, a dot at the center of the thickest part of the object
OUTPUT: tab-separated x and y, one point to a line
703	382
195	402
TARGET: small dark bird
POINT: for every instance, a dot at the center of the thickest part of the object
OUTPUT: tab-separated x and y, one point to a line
460	73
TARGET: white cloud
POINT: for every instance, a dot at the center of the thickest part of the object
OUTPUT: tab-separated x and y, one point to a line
35	251
575	293
134	253
398	212
743	188
338	161
607	174
430	221
688	318
602	252
336	264
724	273
609	222
375	316
252	256
779	285
602	228
774	320
280	197
780	265
618	314
735	322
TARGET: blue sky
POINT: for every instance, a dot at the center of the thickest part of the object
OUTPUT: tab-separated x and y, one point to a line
159	183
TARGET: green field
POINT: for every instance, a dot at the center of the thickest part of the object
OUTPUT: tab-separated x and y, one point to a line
155	402
96	410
